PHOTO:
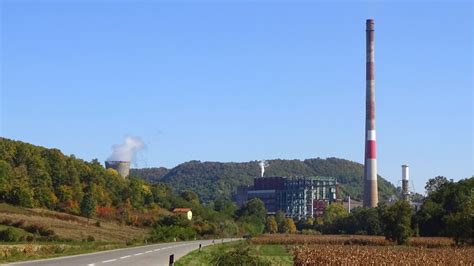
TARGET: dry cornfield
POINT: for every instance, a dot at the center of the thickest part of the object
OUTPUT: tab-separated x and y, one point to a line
370	250
289	239
382	255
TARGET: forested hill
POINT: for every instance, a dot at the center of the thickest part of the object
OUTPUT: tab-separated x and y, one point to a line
214	179
34	176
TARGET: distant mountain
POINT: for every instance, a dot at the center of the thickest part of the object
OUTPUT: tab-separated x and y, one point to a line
211	180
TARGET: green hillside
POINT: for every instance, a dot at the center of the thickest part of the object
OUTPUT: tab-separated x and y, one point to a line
36	177
212	180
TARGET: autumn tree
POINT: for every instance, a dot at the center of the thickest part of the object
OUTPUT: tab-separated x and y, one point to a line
288	226
281	220
271	225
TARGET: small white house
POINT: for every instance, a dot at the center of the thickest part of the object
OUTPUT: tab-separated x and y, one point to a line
186	211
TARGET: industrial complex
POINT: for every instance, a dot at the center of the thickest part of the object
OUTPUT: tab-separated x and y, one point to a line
303	197
297	197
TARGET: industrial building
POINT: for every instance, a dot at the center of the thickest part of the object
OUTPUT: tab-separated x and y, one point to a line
122	167
297	197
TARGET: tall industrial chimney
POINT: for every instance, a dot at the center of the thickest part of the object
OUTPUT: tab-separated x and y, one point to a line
405	177
371	197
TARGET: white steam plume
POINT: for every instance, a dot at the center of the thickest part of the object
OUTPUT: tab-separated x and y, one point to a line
262	164
127	150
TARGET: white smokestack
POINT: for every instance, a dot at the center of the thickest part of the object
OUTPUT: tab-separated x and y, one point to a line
263	164
127	150
405	172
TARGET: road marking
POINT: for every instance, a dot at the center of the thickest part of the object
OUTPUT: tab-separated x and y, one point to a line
138	254
92	264
157	249
105	261
149	251
124	257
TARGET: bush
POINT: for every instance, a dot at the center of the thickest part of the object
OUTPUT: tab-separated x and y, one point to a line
9	235
90	238
34	228
7	222
171	233
45	232
18	223
310	232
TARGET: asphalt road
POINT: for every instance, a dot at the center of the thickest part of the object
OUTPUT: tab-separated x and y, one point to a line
156	254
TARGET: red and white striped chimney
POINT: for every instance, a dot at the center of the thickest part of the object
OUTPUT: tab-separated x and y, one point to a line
370	165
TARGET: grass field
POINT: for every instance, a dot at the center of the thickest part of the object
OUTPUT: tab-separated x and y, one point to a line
73	234
274	254
71	227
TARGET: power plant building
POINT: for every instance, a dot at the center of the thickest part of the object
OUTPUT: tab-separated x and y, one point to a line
297	197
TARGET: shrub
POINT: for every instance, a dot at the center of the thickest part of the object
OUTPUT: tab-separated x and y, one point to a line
90	238
45	232
18	223
171	233
9	235
7	222
33	228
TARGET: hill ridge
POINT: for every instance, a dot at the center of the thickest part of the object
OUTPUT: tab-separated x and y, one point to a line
211	180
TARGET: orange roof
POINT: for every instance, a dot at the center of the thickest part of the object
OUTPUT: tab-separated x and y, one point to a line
181	210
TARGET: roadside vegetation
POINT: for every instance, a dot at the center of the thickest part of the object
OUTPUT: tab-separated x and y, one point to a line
238	253
30	251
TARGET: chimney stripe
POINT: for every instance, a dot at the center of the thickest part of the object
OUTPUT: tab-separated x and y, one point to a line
371	135
371	149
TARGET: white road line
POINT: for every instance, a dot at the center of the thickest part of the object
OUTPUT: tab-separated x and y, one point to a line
148	251
138	254
105	261
92	264
157	249
124	257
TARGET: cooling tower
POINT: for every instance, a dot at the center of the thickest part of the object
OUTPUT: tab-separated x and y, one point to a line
122	167
371	197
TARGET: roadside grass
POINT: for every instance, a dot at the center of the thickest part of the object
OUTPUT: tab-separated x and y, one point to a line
21	251
274	254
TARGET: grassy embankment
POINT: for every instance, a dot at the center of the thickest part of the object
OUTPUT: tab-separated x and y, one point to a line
273	254
44	233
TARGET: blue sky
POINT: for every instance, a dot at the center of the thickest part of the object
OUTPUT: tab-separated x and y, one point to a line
242	81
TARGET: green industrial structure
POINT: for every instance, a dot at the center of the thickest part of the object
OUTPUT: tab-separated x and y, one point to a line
299	197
